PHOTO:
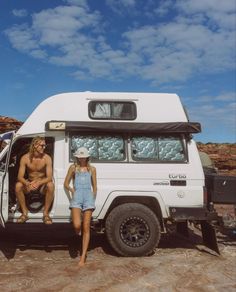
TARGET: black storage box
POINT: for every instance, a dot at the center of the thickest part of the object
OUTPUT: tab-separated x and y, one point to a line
222	189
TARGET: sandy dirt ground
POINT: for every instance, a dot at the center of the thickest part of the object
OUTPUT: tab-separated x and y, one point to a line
44	258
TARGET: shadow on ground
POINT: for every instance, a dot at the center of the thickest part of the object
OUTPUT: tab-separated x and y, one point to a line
32	236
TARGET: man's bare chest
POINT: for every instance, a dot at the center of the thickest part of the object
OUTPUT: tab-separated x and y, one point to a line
37	165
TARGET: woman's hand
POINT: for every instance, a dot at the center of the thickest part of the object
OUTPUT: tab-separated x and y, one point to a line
71	190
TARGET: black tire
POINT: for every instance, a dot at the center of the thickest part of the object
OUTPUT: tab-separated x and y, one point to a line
133	229
35	201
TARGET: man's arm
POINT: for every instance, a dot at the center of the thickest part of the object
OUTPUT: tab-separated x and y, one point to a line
21	172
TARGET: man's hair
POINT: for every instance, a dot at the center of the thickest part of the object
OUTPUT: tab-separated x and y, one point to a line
34	142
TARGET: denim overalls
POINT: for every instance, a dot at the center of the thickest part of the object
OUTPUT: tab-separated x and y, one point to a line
83	197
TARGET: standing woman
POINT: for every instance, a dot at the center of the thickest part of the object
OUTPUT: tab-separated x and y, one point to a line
84	191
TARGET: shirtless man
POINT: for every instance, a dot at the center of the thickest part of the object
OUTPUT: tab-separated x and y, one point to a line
38	166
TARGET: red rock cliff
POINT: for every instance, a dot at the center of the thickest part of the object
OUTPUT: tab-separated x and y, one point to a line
223	155
8	124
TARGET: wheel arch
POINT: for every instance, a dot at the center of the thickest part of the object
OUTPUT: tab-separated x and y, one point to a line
148	201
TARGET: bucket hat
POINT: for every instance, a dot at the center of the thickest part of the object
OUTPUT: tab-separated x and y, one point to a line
81	153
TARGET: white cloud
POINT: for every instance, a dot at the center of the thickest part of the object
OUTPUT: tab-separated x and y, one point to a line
199	39
222	98
80	75
82	3
207	6
220	13
228	96
38	54
19	12
61	25
114	4
163	7
134	8
176	50
209	110
22	39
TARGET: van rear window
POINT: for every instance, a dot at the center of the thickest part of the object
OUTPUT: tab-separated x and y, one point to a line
101	148
158	149
112	110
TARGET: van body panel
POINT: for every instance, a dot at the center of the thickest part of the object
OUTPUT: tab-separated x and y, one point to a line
67	107
177	184
123	194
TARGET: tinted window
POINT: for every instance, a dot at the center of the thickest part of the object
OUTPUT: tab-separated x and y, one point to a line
101	148
112	110
158	148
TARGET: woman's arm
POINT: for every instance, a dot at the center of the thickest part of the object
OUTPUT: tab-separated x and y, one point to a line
94	181
69	176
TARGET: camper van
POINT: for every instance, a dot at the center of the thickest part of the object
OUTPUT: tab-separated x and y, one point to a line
149	172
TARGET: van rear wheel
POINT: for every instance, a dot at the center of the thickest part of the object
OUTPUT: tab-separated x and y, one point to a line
133	229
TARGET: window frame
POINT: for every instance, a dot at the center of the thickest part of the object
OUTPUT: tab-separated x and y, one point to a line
93	103
181	138
92	159
128	155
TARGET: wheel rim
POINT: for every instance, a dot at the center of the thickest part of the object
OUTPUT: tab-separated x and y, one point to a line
134	231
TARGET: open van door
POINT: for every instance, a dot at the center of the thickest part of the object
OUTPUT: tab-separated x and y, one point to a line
4	198
5	146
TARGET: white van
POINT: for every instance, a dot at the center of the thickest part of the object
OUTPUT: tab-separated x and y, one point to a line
148	168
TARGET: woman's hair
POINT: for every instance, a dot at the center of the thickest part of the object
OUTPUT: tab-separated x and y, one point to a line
34	142
77	165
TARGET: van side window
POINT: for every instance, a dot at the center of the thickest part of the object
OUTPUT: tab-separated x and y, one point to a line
101	148
110	110
158	148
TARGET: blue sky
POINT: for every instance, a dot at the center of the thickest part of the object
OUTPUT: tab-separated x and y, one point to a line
185	47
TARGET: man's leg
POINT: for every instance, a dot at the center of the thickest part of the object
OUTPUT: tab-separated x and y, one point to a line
21	199
49	195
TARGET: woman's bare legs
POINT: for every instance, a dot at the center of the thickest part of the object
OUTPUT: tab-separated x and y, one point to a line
76	219
86	235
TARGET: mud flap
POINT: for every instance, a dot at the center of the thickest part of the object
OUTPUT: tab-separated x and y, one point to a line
209	236
182	228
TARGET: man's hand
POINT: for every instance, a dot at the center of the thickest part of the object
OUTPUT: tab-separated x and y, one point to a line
33	185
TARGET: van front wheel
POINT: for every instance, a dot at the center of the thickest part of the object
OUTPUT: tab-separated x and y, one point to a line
133	229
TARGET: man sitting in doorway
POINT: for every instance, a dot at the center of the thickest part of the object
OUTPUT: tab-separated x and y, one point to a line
38	166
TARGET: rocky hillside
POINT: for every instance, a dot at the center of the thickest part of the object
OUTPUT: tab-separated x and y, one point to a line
8	124
223	155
